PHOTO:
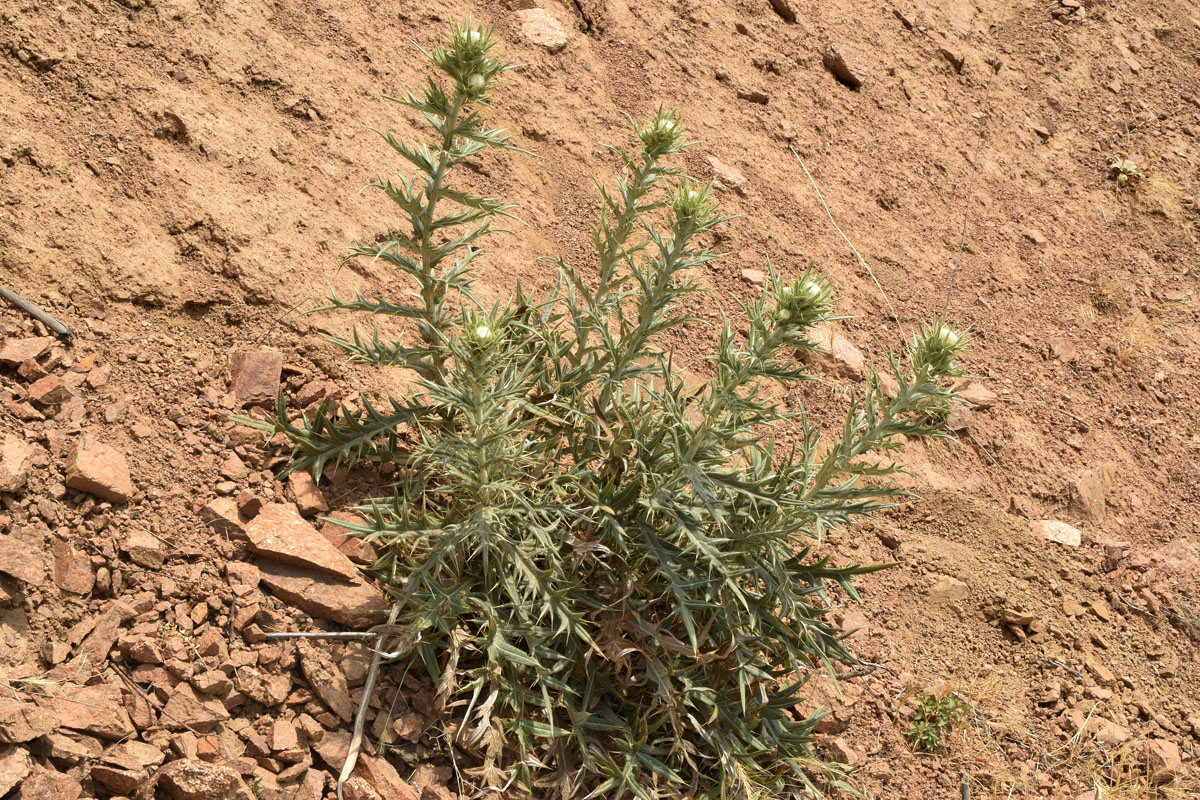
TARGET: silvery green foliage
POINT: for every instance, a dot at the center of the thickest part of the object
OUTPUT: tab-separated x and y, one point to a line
609	575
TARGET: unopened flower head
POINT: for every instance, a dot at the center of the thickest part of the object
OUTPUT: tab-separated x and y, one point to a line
948	337
691	203
472	43
483	331
937	346
661	135
466	59
803	301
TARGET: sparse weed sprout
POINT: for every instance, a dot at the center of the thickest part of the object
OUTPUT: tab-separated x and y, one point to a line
1124	171
606	570
1107	295
934	718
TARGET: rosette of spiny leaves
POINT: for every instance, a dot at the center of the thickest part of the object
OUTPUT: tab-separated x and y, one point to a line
608	568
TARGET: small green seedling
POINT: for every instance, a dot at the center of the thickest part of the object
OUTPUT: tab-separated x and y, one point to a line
1124	171
935	717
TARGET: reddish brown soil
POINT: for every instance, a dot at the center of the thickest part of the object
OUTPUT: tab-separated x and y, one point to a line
179	177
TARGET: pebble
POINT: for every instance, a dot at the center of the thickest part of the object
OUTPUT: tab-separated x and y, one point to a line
539	28
280	534
1055	531
97	468
255	376
16	463
845	65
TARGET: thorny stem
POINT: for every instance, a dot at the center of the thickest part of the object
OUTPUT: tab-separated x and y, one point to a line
431	293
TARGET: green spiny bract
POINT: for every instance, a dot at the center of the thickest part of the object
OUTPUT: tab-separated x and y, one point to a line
604	569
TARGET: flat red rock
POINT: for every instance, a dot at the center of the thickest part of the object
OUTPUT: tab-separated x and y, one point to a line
255	375
15	351
16	462
357	605
98	469
281	534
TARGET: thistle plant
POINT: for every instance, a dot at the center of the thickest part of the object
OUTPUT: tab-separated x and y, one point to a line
610	575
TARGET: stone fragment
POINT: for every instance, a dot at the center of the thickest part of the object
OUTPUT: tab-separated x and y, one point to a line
1056	531
23	722
185	709
838	355
785	10
221	514
15	764
978	395
71	747
98	709
280	534
49	785
948	51
755	277
16	462
213	682
16	351
845	65
1110	733
249	504
22	560
539	28
356	788
1035	236
315	392
1072	608
50	391
1178	556
1086	494
233	468
188	779
255	376
332	748
144	549
948	589
358	604
728	176
266	690
309	499
117	780
756	96
73	572
94	649
134	755
312	786
1163	761
326	679
98	469
354	548
283	735
1103	675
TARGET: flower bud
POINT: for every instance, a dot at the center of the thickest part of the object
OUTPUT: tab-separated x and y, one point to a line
803	301
691	204
662	135
935	348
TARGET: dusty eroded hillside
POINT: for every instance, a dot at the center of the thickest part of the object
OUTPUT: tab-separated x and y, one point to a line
175	177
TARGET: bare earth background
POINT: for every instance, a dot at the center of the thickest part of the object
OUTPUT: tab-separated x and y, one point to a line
175	175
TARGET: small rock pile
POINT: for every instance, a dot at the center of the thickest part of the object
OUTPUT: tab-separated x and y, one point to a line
135	660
